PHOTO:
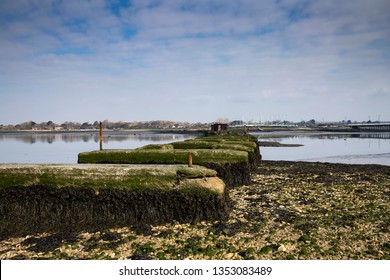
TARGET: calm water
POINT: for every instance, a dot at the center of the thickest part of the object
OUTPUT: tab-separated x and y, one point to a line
64	147
367	148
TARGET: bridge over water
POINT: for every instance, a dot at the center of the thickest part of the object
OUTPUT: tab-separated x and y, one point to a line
370	126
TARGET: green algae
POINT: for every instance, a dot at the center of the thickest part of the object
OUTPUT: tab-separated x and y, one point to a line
198	144
157	147
194	172
200	156
249	144
97	177
233	155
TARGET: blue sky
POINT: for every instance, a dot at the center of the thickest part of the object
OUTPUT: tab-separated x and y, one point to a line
194	60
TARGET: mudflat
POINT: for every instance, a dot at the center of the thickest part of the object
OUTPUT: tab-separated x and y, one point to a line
290	210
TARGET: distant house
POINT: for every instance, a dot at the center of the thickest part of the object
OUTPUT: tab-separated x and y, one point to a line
218	127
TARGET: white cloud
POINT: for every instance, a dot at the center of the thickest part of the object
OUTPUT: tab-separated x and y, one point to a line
252	56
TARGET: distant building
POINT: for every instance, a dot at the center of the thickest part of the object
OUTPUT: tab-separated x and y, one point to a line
237	123
218	127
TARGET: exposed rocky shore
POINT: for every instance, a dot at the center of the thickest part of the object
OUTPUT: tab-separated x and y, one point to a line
290	210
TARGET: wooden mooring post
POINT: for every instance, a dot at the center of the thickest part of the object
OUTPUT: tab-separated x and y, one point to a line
101	136
189	159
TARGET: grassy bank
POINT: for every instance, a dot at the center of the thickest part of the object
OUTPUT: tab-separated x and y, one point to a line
290	210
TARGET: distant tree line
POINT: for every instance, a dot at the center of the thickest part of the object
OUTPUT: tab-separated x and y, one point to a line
157	124
50	125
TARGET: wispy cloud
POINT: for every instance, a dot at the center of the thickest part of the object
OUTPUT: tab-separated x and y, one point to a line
151	59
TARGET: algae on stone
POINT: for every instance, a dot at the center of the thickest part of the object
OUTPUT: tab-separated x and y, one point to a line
232	155
160	156
99	176
232	166
156	147
198	144
58	198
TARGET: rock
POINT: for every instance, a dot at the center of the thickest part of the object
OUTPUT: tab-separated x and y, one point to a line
228	256
282	248
286	248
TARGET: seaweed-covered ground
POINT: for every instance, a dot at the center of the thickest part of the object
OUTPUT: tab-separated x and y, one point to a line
291	210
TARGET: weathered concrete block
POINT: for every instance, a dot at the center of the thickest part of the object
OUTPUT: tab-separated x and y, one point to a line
39	198
232	166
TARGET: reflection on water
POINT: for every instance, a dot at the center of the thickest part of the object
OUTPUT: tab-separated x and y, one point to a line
31	138
371	135
64	147
363	148
359	148
320	135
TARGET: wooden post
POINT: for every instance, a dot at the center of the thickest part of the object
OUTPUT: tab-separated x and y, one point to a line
189	159
101	136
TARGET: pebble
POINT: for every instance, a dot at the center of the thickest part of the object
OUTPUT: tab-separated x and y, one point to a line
282	248
228	256
286	248
298	210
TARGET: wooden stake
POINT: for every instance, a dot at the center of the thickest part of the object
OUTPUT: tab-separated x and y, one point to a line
101	136
189	159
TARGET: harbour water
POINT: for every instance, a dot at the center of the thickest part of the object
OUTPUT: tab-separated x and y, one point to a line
357	148
65	147
353	148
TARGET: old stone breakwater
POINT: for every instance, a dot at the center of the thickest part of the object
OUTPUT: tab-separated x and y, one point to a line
154	184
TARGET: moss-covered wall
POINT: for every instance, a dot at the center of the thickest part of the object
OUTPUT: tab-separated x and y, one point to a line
231	166
232	155
251	148
161	156
232	139
37	198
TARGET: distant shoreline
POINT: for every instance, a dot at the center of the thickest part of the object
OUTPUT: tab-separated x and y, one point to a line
185	131
106	131
200	132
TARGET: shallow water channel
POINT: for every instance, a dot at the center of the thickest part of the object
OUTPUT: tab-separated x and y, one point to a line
355	148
